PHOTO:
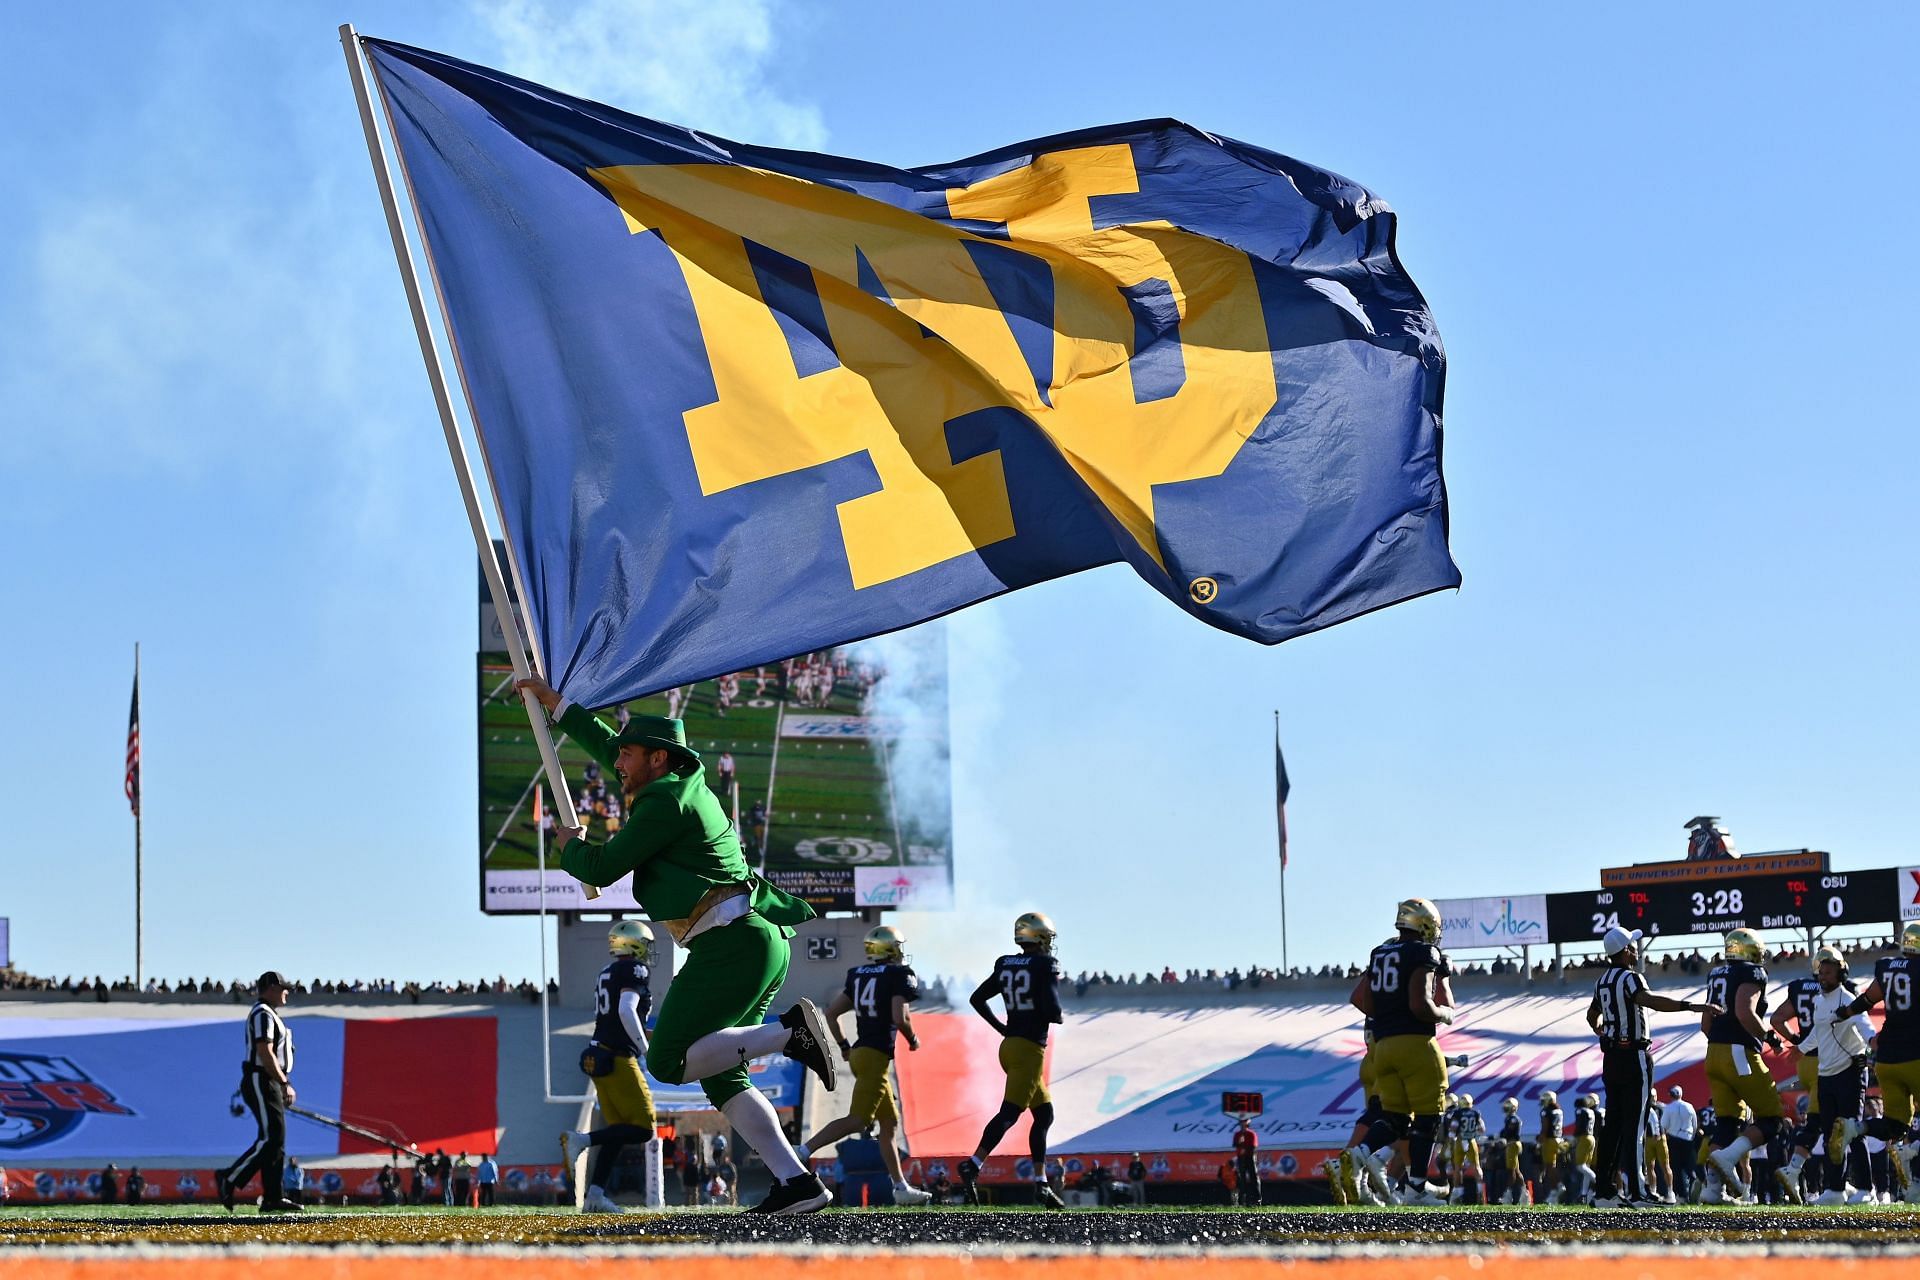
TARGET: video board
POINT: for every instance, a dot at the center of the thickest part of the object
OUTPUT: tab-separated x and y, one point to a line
833	765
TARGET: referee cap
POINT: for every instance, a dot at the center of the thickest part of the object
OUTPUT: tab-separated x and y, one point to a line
271	978
1619	939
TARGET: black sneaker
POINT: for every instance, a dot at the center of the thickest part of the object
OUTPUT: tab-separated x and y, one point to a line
225	1188
802	1194
970	1181
282	1206
1047	1196
807	1045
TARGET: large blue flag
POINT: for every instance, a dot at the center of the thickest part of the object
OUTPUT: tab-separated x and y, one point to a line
740	403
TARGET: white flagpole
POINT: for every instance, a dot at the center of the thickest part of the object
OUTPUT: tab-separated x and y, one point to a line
523	662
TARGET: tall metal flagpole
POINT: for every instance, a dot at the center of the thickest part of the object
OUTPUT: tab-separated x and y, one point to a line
1280	806
517	650
139	901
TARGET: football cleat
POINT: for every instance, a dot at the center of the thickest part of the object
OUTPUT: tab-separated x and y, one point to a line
1617	1202
1845	1131
1713	1195
1729	1173
970	1180
1862	1197
598	1201
1417	1196
1034	928
282	1206
886	945
802	1193
1420	917
904	1194
1047	1197
1788	1176
629	938
807	1045
1836	1196
1745	944
1910	939
225	1189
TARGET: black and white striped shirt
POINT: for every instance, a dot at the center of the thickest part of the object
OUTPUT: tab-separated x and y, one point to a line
1621	1017
264	1023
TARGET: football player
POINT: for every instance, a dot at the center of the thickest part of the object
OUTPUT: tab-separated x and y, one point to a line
1551	1144
1798	1004
878	993
1896	980
1798	1007
1511	1150
1839	1037
1469	1127
1364	1183
621	999
1027	983
1407	991
1586	1129
1736	1074
1658	1174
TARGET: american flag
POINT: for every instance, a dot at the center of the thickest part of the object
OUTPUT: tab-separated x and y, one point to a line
1280	789
133	749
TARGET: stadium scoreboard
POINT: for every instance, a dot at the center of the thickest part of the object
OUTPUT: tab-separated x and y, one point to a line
1243	1104
1809	900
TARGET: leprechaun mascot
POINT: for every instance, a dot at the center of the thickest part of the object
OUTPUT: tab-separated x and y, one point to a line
690	877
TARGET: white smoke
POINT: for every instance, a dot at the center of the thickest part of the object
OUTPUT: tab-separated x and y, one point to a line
700	63
949	713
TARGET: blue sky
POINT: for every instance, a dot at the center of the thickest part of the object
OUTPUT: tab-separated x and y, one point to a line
1666	247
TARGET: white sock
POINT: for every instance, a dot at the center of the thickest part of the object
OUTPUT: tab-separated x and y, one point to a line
731	1047
1737	1148
753	1117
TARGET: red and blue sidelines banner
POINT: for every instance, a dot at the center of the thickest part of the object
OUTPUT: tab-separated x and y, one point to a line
128	1090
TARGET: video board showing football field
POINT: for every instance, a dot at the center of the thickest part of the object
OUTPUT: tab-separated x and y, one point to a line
833	765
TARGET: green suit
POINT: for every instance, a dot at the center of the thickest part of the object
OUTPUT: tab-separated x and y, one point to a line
677	844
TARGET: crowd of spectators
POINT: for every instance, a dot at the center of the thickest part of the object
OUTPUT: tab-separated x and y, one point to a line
240	990
937	991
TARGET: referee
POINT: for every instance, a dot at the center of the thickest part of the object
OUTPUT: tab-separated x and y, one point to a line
1617	1015
266	1089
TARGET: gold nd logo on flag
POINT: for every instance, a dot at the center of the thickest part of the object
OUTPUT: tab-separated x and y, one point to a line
896	388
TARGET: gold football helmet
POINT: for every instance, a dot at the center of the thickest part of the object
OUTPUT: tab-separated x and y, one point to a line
1453	1100
1420	916
1826	953
886	944
630	938
1510	1106
1910	938
1745	944
1591	1101
1032	927
1548	1098
1466	1102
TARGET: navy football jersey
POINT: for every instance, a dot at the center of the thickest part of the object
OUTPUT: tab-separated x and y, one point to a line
1390	975
1583	1119
1723	980
1510	1131
624	974
1027	985
1799	997
1551	1125
872	988
1898	977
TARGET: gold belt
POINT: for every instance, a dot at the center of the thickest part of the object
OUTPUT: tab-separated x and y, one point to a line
708	901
